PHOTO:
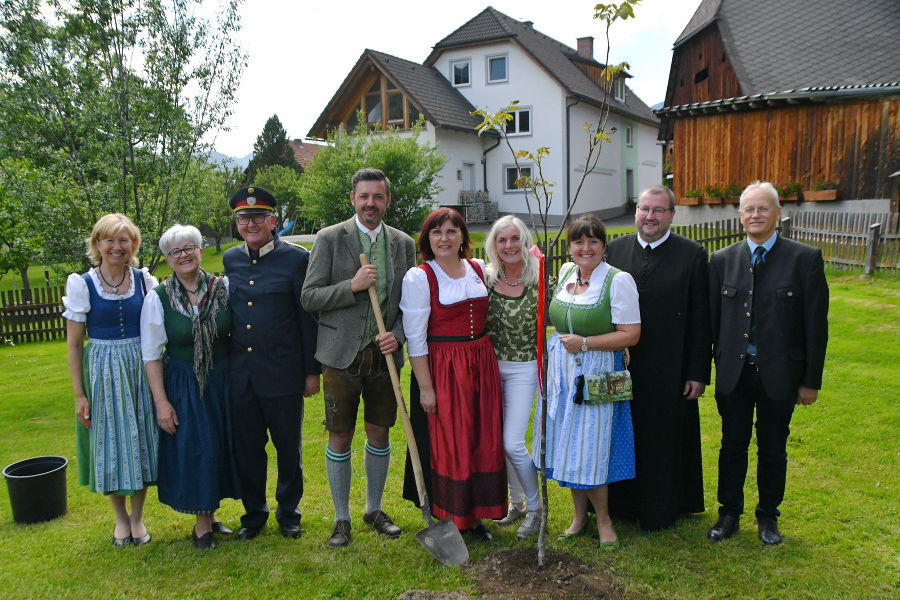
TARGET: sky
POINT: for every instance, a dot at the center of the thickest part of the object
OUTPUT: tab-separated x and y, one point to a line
299	51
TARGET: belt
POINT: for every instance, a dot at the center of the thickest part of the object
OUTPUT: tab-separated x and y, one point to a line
455	338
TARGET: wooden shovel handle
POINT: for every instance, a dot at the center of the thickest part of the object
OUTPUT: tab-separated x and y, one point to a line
398	394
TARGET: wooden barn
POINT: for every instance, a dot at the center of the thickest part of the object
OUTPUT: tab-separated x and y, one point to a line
806	94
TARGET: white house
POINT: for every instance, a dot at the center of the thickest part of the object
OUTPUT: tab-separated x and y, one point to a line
486	63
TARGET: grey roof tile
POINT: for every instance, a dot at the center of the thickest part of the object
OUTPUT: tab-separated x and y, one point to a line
779	46
557	58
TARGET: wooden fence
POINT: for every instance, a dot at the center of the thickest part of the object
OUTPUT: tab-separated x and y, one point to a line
35	321
847	240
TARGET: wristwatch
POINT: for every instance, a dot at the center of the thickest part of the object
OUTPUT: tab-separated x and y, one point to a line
584	347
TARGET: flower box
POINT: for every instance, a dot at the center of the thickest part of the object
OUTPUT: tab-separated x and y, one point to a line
820	195
735	200
789	197
689	201
712	200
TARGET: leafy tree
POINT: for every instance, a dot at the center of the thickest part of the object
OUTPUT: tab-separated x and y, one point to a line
412	168
284	183
208	206
30	197
271	148
116	96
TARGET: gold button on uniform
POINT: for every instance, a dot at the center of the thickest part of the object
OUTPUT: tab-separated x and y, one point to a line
251	282
250	303
250	349
249	326
254	261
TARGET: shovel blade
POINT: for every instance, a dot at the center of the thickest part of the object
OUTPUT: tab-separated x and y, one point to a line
443	541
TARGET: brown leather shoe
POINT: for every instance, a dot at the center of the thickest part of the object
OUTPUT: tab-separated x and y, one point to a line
340	535
382	523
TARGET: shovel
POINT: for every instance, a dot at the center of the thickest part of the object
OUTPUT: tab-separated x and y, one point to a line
441	539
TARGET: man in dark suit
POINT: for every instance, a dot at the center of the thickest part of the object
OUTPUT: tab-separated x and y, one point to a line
351	349
769	306
669	366
272	360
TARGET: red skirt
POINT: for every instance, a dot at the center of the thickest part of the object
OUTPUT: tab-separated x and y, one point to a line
464	438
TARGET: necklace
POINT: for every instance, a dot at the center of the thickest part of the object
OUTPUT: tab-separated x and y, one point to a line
114	288
510	283
578	280
188	290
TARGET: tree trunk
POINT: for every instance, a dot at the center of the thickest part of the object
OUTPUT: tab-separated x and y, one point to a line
26	285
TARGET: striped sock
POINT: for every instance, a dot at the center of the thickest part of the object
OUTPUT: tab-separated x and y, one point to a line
377	461
340	471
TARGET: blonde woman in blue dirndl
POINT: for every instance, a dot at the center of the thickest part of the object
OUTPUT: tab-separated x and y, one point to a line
116	434
596	315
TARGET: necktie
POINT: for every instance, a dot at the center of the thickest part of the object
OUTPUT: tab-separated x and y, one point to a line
646	266
759	255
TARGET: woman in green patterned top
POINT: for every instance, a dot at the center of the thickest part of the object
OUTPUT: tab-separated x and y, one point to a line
512	277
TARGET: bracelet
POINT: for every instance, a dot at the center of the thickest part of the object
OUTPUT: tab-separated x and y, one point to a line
584	347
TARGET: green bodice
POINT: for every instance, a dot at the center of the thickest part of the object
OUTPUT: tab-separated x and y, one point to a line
583	319
179	331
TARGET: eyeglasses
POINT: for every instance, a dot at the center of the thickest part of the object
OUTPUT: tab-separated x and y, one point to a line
763	210
187	251
658	211
245	219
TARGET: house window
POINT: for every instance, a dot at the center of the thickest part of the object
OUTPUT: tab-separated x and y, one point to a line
384	105
512	174
459	72
520	123
619	89
496	66
629	136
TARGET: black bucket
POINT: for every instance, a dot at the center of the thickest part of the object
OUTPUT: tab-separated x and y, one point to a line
37	488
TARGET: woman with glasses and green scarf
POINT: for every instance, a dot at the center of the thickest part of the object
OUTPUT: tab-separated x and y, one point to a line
185	326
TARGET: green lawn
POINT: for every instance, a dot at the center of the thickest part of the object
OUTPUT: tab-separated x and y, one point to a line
841	516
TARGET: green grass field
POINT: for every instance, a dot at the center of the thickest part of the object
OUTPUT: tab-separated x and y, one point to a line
841	515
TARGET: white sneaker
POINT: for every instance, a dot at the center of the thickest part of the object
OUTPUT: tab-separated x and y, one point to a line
513	514
530	526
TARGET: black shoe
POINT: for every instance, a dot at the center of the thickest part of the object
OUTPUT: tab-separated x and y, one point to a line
725	527
382	523
221	528
290	531
248	533
340	535
205	541
768	531
480	532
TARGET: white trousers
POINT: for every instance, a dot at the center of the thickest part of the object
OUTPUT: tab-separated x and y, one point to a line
519	380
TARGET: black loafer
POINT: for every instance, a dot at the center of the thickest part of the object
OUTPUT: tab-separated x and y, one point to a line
203	542
768	532
248	533
221	528
290	531
121	542
382	523
340	535
480	532
725	527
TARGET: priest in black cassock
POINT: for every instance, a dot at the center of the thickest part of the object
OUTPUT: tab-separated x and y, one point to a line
669	366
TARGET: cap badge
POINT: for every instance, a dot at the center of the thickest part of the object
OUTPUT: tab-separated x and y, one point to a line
251	201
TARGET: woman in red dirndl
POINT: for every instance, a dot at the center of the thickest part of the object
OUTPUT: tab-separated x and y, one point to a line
456	400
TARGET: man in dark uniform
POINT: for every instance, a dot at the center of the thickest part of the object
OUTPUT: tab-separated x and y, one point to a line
769	302
272	360
670	365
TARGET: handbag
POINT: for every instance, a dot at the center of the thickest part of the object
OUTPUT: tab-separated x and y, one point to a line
605	388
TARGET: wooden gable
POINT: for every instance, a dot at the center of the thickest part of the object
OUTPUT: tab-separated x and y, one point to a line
702	71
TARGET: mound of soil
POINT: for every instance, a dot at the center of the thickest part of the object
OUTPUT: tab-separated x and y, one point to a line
514	575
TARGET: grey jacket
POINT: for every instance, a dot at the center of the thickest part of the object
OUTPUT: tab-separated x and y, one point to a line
342	313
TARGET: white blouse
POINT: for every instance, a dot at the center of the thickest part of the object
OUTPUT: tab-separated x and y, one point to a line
623	294
78	299
153	327
415	301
